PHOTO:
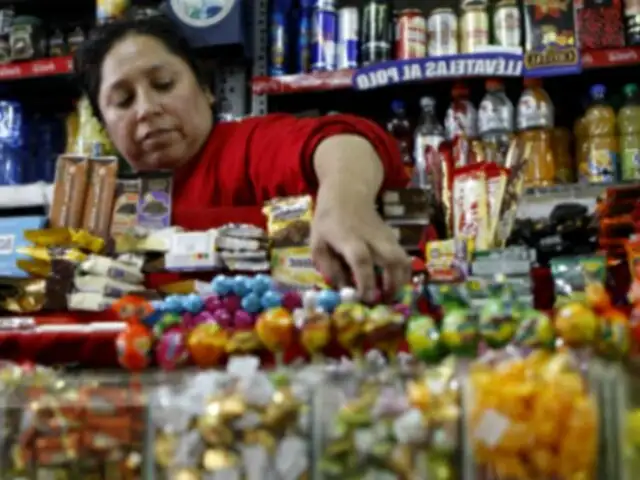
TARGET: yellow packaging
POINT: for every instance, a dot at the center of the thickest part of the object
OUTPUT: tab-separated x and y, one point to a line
48	254
65	237
283	213
293	267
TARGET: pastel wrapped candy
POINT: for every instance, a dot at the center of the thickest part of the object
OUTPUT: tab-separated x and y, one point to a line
171	350
423	338
315	331
133	346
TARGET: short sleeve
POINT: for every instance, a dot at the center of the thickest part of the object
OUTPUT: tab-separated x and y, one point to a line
281	149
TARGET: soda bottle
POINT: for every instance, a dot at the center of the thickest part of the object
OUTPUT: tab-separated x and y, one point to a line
400	128
460	124
495	121
428	136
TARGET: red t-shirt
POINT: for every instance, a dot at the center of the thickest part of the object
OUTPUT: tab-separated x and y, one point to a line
244	164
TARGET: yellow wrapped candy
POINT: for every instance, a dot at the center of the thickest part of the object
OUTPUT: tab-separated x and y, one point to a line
540	423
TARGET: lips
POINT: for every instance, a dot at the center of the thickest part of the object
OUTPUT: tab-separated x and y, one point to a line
156	134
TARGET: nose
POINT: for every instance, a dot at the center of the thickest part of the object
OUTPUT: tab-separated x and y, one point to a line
148	103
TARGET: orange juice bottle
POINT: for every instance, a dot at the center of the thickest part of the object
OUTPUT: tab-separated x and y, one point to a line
629	127
535	120
600	125
580	135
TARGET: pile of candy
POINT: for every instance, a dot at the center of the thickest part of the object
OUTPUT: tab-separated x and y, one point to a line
243	315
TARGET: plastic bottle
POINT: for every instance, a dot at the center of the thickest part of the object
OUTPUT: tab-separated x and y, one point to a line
460	125
495	121
602	142
428	136
629	128
400	127
535	121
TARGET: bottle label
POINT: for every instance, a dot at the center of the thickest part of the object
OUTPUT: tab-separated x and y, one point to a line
533	113
601	165
631	164
461	120
495	115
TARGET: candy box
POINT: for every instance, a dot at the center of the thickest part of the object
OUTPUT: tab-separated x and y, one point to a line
12	238
600	23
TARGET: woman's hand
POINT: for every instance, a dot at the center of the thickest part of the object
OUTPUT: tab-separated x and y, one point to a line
349	239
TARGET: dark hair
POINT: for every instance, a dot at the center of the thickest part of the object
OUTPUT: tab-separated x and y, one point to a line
88	59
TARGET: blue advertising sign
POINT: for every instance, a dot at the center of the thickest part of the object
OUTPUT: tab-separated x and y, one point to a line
489	64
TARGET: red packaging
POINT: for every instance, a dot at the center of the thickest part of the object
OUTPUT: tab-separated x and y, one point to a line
600	23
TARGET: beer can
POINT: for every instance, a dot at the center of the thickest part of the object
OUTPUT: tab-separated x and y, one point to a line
376	30
411	41
474	29
324	36
279	45
348	37
442	32
507	24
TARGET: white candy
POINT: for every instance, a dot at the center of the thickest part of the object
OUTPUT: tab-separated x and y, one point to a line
309	300
348	295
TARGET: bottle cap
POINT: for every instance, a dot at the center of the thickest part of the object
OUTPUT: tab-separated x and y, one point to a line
427	102
459	90
493	84
532	83
598	91
397	106
630	89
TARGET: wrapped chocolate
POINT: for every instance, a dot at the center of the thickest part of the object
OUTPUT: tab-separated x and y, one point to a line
242	423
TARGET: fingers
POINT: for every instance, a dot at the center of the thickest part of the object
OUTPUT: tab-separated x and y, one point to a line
329	265
359	259
395	264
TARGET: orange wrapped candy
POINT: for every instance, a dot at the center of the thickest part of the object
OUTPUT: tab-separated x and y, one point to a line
533	418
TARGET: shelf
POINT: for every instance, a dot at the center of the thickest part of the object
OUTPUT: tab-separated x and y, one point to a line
493	63
304	82
539	202
25	196
45	67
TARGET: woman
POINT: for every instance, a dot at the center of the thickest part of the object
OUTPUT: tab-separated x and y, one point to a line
146	87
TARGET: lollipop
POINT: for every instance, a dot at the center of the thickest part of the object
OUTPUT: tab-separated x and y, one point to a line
497	322
275	329
613	338
423	338
576	324
535	330
315	332
133	346
384	329
171	350
459	333
206	344
349	321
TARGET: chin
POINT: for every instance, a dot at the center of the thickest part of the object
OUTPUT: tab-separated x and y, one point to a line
163	161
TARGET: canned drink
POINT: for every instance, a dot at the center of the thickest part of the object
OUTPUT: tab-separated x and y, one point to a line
474	29
376	30
279	47
324	36
442	31
507	24
411	41
348	37
303	65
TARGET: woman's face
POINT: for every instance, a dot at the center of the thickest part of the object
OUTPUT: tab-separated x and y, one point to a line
155	111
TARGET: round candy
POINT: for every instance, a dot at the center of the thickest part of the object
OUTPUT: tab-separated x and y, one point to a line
309	300
275	329
459	332
271	299
223	318
203	317
328	300
423	338
384	328
206	344
261	284
349	320
348	295
133	347
152	319
213	303
243	320
291	300
241	285
232	303
171	350
173	303
613	336
403	310
251	303
193	303
222	285
187	320
167	320
157	305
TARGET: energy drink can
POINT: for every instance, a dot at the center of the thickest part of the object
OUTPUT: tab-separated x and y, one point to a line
304	37
376	32
348	37
324	36
279	46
